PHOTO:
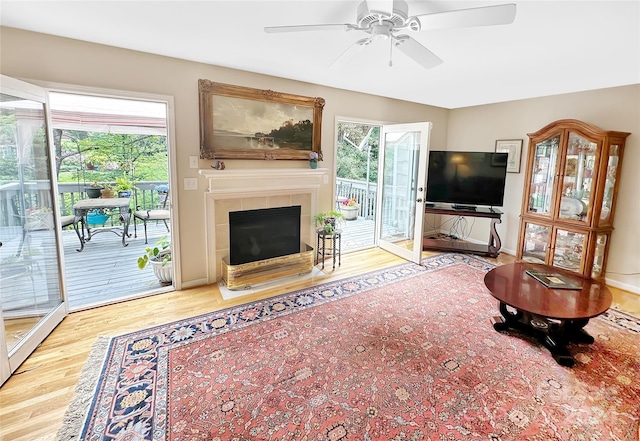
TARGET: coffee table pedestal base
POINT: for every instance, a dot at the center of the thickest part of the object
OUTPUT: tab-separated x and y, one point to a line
554	334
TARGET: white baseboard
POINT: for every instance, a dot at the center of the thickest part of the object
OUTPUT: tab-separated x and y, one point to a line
194	283
624	286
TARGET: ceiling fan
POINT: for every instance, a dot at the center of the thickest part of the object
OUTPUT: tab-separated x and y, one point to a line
385	19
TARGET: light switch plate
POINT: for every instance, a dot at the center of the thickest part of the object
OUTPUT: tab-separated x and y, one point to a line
190	183
193	162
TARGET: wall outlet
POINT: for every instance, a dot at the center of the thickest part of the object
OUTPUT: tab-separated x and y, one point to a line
190	183
193	162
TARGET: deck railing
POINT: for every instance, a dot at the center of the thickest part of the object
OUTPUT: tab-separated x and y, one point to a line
365	195
36	194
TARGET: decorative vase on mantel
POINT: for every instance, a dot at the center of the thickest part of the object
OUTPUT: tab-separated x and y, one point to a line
313	159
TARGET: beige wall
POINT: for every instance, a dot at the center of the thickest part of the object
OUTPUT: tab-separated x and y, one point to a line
40	57
477	128
33	56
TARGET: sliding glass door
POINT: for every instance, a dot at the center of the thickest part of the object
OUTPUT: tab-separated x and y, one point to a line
31	287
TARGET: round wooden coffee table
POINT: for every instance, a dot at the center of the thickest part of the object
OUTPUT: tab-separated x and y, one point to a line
555	316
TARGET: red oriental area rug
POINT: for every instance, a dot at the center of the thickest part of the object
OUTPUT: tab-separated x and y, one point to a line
406	353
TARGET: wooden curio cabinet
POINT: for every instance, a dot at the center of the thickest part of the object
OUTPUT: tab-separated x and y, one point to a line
571	182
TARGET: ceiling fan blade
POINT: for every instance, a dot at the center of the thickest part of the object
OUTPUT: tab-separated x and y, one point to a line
304	28
350	53
465	18
414	50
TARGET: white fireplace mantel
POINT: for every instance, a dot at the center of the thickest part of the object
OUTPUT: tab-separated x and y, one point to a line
237	190
225	180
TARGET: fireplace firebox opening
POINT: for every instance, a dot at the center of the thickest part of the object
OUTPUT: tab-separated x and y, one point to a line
261	234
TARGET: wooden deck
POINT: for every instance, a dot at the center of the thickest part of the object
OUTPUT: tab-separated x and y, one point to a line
357	234
105	271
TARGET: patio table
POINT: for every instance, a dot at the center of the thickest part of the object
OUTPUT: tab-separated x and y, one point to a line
82	208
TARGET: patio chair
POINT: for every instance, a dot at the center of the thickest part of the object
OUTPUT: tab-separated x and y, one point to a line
342	193
66	221
161	213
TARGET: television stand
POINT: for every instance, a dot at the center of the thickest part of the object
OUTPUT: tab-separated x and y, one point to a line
491	249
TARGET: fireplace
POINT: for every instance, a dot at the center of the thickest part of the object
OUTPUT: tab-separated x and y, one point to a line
263	234
233	190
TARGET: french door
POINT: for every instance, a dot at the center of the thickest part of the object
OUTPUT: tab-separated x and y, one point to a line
32	294
401	182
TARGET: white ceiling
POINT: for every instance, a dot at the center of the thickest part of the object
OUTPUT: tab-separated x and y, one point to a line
552	47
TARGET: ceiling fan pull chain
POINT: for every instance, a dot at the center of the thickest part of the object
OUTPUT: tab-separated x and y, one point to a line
391	52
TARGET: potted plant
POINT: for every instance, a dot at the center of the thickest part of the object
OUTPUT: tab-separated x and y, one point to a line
124	187
107	191
327	220
159	256
349	208
94	190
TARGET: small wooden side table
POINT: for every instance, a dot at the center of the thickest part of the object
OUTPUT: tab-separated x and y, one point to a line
321	251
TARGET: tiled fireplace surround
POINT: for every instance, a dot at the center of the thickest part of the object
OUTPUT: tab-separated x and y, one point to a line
237	190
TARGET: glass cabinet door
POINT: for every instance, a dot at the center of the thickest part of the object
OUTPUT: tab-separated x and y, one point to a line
542	177
536	242
598	260
577	181
569	249
609	185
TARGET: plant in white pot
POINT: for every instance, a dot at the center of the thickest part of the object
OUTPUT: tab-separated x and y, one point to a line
159	256
350	209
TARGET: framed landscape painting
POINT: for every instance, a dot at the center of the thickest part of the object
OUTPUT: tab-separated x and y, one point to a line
244	123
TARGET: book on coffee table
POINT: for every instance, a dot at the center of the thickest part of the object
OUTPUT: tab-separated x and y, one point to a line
554	280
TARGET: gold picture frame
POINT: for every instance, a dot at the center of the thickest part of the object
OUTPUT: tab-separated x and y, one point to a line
244	123
514	149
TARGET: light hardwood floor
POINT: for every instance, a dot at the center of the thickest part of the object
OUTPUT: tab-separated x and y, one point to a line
33	401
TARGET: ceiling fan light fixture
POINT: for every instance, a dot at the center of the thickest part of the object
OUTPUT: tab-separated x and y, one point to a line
381	31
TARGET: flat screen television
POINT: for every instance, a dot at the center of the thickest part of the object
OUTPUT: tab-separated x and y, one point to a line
466	179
